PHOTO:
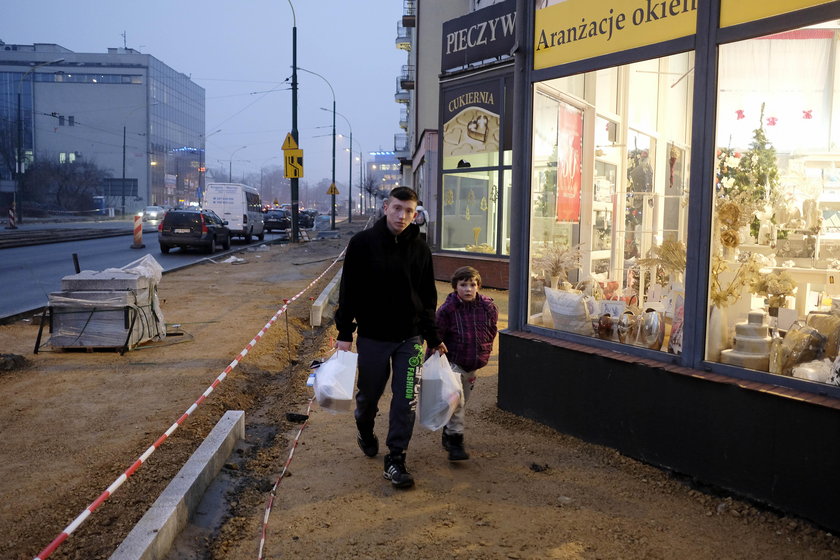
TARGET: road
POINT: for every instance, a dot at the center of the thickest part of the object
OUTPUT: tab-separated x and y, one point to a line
31	273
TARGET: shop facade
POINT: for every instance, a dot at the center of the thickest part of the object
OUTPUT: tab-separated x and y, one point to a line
676	291
472	211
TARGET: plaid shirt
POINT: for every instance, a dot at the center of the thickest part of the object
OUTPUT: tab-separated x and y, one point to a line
468	329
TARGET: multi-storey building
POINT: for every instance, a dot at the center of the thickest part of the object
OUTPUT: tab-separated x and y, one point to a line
127	112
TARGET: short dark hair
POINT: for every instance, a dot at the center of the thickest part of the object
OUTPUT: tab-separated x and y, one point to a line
465	273
403	193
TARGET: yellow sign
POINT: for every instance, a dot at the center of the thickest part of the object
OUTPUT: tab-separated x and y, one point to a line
579	29
333	189
293	164
733	12
289	143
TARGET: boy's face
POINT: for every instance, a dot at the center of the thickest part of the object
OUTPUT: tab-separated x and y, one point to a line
467	289
399	213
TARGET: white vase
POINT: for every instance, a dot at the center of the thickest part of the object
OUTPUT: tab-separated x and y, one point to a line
717	333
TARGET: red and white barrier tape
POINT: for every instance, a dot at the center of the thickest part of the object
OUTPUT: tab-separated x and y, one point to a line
273	493
46	552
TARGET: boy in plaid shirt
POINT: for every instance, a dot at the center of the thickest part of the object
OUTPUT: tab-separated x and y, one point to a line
467	325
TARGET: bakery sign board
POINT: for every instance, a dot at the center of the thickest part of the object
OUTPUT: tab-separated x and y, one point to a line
480	35
471	117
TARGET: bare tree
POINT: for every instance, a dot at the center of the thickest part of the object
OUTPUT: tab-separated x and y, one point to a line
8	147
371	187
61	186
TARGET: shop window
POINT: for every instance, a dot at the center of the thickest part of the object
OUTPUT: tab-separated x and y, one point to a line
774	298
609	202
470	214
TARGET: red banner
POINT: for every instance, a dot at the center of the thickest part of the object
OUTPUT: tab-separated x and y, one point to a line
569	153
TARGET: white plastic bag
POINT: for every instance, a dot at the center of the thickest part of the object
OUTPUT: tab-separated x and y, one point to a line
440	392
334	382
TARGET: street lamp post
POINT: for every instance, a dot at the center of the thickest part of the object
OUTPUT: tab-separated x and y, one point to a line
332	196
350	173
294	185
230	163
19	158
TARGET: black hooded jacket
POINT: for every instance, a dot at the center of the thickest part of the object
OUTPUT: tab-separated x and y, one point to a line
387	287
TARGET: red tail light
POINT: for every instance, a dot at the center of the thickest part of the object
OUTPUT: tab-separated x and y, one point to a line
160	226
203	225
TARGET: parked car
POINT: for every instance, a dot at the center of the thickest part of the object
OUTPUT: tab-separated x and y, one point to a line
306	218
193	227
152	213
277	220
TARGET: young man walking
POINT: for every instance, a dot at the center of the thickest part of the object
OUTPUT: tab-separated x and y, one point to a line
388	293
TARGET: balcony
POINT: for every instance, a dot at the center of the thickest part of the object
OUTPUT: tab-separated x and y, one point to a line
407	77
404	118
404	36
401	146
409	18
401	96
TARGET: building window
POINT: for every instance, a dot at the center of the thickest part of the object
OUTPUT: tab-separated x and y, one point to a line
774	297
609	202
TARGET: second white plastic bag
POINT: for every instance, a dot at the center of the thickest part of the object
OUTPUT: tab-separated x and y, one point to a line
335	380
440	392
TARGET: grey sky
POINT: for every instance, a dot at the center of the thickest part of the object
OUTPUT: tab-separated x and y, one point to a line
233	49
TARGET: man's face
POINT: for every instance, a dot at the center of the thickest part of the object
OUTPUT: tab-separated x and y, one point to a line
399	213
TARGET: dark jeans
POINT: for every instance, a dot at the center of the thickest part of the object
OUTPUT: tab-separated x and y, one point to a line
377	359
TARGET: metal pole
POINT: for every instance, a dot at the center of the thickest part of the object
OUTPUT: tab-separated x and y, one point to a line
122	187
350	182
18	168
230	170
332	196
294	180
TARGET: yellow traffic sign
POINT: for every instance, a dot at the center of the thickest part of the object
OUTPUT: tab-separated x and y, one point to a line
333	189
293	164
289	143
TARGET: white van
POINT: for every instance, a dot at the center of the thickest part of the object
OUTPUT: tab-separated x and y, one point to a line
238	204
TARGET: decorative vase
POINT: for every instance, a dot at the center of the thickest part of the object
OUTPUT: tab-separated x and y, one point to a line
717	334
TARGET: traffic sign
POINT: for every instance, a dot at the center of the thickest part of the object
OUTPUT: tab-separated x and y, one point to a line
333	189
293	164
289	143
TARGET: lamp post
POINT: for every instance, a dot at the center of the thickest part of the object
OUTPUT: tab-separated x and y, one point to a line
19	158
230	163
350	172
294	180
332	204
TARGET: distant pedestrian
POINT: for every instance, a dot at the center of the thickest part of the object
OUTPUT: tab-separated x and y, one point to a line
388	292
422	220
467	324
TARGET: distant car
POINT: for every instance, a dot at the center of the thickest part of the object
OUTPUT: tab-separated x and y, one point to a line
306	218
193	227
277	220
153	213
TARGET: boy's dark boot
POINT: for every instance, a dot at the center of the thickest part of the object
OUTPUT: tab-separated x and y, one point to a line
454	443
396	472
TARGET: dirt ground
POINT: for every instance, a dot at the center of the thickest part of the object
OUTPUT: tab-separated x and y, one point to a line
72	422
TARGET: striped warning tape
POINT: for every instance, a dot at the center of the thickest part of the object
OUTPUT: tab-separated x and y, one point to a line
49	549
273	492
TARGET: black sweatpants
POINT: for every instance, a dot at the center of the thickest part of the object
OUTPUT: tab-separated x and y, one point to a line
377	359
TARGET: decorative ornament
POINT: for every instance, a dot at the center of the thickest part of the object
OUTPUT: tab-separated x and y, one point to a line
740	114
476	232
450	197
771	121
808	114
483	204
467	214
470	196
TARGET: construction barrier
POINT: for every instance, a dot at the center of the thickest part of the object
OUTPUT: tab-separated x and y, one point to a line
138	233
12	218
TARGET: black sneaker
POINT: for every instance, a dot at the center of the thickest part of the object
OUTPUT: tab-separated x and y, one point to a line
396	472
454	443
369	444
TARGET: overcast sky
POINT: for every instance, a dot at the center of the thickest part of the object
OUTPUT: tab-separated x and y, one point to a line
234	49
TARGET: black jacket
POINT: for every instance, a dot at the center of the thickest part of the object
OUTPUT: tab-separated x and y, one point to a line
387	287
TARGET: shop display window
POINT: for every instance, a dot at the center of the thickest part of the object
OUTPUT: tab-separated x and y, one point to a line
774	286
609	202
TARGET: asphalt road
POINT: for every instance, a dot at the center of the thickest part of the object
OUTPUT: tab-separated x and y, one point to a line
31	272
